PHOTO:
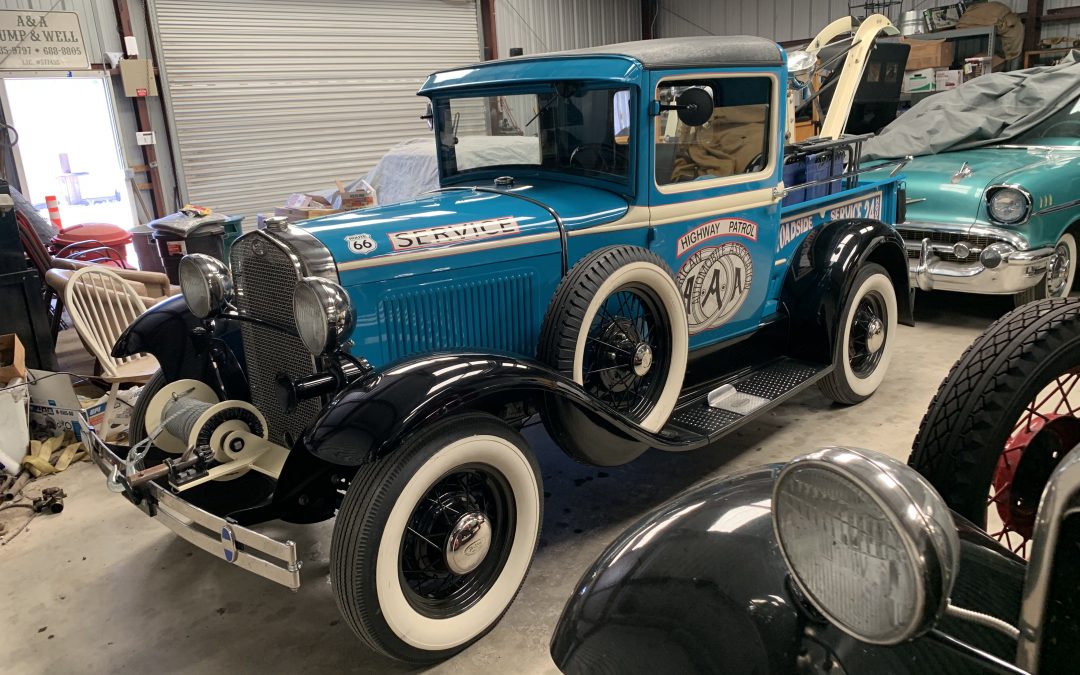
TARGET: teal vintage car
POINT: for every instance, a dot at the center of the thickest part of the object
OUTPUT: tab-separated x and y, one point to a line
1001	219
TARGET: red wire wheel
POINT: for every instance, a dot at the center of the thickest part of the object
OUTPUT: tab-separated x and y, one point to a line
1004	418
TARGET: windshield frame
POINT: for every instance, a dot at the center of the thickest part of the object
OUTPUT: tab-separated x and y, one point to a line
625	184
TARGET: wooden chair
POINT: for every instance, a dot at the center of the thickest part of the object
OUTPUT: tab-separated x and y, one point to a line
102	304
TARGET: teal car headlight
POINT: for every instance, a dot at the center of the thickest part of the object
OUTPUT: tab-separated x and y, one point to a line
1008	205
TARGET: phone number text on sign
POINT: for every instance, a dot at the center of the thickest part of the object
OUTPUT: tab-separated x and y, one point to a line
31	40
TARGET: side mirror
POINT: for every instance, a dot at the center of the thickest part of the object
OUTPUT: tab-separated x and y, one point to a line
429	117
694	106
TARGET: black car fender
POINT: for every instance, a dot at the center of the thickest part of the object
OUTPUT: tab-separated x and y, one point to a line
699	586
184	346
822	270
373	415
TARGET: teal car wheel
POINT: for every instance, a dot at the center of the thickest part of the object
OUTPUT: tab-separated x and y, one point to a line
1060	273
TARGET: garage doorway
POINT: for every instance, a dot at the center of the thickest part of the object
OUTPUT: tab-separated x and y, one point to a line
68	148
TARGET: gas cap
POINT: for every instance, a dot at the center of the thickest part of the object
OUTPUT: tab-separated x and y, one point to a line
504	181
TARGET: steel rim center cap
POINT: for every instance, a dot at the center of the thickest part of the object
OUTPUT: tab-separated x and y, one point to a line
875	335
468	543
643	359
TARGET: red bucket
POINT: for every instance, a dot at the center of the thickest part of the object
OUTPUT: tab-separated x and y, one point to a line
78	242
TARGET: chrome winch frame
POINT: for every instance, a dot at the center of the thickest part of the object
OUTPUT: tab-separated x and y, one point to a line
278	561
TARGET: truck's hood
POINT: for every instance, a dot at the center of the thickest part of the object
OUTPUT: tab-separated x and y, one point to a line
463	217
935	196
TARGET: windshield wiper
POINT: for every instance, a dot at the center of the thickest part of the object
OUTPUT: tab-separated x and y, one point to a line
543	109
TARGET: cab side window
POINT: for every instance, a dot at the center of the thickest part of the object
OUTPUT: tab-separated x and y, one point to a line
734	141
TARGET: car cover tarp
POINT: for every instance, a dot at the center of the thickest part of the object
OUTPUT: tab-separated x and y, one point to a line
989	109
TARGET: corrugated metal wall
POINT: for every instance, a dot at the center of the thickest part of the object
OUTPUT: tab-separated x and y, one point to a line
551	25
97	20
785	20
270	97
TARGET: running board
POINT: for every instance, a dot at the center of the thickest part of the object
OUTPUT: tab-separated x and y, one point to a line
732	404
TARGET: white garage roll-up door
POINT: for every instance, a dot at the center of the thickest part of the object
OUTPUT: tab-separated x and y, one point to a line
270	97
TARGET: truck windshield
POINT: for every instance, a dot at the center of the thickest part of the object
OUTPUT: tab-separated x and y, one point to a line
567	128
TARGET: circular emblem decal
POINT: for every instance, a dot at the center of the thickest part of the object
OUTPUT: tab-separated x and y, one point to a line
714	282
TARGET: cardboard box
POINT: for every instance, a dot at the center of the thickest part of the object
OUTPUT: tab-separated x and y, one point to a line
360	196
307	200
295	214
56	406
12	358
919	81
948	79
928	54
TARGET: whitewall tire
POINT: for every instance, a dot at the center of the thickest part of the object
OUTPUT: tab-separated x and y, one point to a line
865	338
433	542
617	326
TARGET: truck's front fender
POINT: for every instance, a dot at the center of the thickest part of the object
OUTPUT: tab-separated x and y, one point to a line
374	414
822	271
165	331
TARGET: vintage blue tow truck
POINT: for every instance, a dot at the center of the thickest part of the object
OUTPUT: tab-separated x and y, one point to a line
626	242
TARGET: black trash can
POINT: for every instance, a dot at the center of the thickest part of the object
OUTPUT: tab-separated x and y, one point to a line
181	233
142	238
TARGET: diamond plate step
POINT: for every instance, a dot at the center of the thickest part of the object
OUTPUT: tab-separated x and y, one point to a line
733	403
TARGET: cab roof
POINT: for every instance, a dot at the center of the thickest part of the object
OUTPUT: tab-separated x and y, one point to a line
689	52
620	62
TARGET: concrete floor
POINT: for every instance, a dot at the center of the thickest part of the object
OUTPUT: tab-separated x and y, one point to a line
101	588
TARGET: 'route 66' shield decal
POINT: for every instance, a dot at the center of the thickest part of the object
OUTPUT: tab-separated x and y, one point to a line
714	282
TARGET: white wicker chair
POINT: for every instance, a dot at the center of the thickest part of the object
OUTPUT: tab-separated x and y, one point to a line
102	304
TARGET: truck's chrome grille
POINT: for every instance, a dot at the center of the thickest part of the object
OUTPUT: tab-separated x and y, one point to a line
266	275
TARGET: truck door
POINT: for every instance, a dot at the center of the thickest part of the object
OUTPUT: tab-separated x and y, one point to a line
713	196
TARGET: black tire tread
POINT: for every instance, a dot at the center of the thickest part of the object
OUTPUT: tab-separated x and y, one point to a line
958	433
358	529
833	385
566	312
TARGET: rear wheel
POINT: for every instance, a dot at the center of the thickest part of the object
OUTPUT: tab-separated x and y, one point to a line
864	343
432	543
1004	418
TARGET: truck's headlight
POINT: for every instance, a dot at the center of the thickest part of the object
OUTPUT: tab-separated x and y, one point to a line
324	314
1008	205
206	284
868	541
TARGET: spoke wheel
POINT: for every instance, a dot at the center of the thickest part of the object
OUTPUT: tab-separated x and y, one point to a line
868	334
456	541
864	337
1004	418
433	541
617	327
1046	431
627	352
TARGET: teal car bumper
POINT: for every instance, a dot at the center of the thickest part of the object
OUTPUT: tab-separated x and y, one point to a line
975	259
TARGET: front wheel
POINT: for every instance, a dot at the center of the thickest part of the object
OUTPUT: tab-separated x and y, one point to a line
432	543
865	337
1060	274
1004	418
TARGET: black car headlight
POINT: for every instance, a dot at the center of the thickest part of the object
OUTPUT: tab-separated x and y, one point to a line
206	284
1008	205
868	541
323	313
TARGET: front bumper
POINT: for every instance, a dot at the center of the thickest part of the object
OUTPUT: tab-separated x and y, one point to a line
250	550
1017	271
